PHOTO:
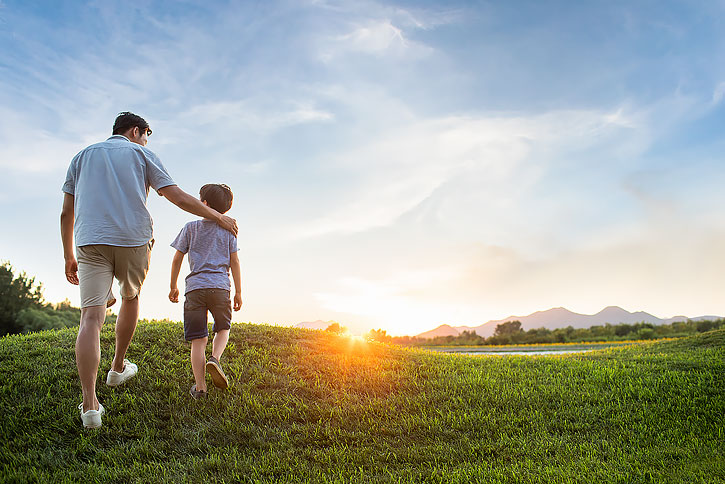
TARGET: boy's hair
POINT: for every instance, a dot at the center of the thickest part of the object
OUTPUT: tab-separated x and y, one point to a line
126	121
217	195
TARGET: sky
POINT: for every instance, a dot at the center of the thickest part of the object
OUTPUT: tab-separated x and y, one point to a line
395	165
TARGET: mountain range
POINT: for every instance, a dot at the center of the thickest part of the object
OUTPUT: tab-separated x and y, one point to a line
319	324
561	318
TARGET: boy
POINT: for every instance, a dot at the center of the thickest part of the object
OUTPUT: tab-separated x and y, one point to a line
212	252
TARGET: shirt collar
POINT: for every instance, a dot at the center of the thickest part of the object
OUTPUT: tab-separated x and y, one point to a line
119	136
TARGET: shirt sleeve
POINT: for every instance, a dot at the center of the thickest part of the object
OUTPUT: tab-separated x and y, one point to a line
233	244
158	177
181	242
69	186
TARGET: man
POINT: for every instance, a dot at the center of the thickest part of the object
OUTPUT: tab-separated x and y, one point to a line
104	207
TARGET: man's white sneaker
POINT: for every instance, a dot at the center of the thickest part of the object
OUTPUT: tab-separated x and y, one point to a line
116	378
92	418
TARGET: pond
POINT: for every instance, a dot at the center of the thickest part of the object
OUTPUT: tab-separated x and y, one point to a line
532	350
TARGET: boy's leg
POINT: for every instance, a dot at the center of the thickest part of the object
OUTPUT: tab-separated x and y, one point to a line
197	332
125	328
88	352
219	343
221	309
198	362
220	306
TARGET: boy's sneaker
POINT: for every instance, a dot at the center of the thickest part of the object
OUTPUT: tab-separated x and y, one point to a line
197	393
216	372
92	418
116	378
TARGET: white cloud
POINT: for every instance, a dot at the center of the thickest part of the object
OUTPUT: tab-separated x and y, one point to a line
718	93
414	17
380	37
375	37
243	114
32	149
481	165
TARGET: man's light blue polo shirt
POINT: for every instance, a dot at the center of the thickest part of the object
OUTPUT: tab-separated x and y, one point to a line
110	183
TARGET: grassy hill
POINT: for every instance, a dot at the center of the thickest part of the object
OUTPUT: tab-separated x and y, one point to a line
313	406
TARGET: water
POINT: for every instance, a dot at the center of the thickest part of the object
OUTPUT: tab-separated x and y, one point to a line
519	350
511	353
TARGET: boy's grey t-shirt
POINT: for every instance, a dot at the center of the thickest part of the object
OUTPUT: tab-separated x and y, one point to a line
210	248
110	183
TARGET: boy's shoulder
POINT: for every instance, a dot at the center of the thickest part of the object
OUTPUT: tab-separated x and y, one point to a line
188	226
207	227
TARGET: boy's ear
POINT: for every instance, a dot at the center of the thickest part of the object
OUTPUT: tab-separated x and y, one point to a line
205	203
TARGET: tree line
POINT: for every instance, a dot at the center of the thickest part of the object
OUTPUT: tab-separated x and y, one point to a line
23	309
511	332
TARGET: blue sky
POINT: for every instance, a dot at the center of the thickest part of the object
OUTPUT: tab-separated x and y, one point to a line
395	165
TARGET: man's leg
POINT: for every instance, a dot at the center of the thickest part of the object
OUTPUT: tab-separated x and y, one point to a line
125	327
198	362
131	267
88	352
219	343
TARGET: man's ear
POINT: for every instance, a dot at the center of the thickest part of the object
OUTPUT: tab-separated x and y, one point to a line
135	132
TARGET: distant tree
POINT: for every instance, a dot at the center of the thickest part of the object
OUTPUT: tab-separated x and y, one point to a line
623	329
703	326
508	328
336	328
645	333
39	318
379	335
469	338
17	293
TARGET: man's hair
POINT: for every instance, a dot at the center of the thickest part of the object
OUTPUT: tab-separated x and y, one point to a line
217	195
126	121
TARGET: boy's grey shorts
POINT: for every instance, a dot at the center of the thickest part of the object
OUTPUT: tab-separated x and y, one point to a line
196	305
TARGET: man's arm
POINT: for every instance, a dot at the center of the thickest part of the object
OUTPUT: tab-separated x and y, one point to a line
175	268
237	276
186	202
67	221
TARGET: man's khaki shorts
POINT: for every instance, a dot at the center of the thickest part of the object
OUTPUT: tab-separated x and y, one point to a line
99	264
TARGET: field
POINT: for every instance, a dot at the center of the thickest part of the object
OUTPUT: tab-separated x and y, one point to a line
314	406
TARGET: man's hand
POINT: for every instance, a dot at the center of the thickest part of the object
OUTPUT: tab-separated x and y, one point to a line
229	224
71	270
174	295
237	302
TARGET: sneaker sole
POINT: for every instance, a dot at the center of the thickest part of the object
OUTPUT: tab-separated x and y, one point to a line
120	381
217	377
93	426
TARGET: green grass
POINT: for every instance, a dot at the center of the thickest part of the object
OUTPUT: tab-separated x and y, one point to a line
313	406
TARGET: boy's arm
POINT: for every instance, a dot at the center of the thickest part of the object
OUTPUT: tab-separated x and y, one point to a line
237	276
175	268
186	202
67	220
